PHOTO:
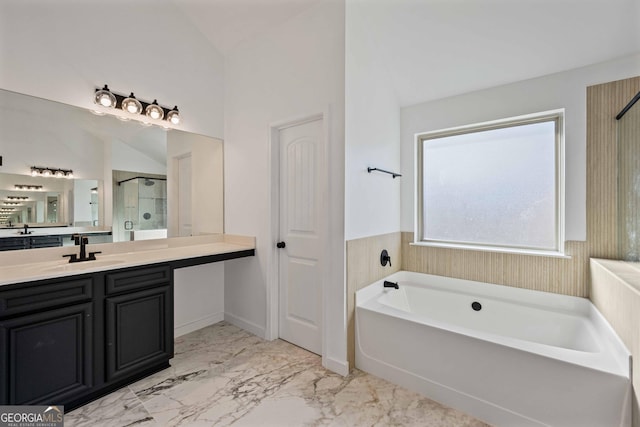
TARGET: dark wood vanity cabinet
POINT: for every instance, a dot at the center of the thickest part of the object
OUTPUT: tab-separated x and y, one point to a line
29	242
14	243
138	321
70	340
49	357
46	333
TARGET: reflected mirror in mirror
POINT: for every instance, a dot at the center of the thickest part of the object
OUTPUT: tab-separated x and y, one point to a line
38	132
51	202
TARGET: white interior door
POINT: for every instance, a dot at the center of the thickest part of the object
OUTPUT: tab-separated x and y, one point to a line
300	264
184	196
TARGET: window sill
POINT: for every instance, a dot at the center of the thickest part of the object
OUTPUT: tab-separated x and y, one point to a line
498	249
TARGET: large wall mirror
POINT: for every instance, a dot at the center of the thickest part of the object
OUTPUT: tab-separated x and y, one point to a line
103	151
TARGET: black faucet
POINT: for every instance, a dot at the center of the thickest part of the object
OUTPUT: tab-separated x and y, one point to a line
388	284
26	229
82	241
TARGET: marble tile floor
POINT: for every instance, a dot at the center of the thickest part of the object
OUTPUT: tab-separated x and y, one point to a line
222	375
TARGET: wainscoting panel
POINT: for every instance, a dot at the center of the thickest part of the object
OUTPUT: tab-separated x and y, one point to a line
558	275
364	268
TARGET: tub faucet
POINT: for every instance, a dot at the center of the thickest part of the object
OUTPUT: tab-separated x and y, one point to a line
393	285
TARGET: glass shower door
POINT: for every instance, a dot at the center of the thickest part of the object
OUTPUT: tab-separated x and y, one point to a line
143	206
628	134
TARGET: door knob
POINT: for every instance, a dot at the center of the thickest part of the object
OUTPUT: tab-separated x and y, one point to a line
281	245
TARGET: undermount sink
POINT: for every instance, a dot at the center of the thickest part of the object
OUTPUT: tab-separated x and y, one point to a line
85	264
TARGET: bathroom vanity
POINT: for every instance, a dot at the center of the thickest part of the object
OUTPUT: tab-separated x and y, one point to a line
47	237
71	332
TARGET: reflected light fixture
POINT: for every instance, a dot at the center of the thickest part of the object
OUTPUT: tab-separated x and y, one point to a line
105	98
28	187
51	172
131	105
150	112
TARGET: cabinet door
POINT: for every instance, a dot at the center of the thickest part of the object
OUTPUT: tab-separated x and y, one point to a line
46	358
139	328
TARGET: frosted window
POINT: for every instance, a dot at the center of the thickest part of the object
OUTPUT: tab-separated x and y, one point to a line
492	187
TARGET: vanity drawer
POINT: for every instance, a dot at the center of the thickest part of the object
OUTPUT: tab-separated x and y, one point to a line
137	278
46	241
13	243
47	294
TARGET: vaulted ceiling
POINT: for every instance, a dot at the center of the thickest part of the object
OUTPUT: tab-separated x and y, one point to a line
438	48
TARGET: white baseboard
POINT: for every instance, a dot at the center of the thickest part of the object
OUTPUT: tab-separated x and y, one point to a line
194	325
246	325
338	366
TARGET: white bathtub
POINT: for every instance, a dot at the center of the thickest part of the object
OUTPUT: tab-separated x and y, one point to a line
526	358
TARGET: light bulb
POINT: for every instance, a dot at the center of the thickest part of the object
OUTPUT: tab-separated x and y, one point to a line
46	172
105	98
132	105
34	172
174	116
154	111
59	174
105	101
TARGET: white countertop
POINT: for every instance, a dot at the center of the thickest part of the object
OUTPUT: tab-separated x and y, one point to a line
36	264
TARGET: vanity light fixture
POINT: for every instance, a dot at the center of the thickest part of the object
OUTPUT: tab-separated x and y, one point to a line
54	172
149	112
17	198
12	204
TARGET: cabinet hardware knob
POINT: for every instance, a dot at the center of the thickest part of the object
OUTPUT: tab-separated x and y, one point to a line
281	245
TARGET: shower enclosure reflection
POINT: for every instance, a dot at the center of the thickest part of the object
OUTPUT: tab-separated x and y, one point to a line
140	206
628	134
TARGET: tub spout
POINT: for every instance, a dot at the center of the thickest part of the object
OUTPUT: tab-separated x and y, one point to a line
388	284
